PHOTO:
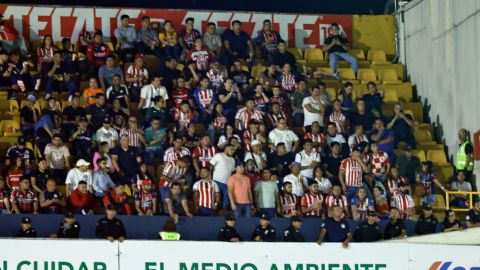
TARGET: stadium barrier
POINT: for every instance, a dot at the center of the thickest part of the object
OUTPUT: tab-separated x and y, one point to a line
163	255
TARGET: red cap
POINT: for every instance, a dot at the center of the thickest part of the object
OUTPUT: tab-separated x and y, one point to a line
146	182
138	55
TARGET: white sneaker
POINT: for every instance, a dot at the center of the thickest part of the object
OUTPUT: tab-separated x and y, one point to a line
47	96
70	98
336	76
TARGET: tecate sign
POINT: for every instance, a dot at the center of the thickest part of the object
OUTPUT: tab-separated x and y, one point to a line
452	266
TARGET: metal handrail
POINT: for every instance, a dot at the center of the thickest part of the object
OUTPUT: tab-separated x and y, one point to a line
470	201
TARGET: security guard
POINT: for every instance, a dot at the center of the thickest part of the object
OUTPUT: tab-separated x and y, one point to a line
427	222
395	228
264	231
473	215
27	231
292	233
69	228
335	229
110	227
464	156
228	233
368	230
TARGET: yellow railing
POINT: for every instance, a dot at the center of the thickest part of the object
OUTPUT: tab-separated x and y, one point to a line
470	199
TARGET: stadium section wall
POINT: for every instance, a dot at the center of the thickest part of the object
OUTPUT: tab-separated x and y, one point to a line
440	43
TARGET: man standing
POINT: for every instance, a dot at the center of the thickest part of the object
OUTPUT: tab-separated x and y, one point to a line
240	193
20	150
351	173
223	166
202	154
408	165
266	194
383	137
299	182
335	229
237	45
107	133
313	108
312	202
464	157
125	159
207	195
308	159
267	40
337	46
97	112
110	227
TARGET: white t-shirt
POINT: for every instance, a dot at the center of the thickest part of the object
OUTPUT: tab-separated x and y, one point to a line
354	141
297	187
223	166
338	138
286	136
58	155
258	159
74	176
107	135
149	92
306	160
309	117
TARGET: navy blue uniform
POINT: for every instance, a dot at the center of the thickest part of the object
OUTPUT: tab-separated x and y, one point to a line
267	234
69	230
337	231
426	225
30	233
292	235
394	230
110	228
53	208
472	216
227	233
367	232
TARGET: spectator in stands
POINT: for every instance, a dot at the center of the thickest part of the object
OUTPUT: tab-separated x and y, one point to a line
39	176
312	202
97	112
202	154
308	159
15	172
97	53
107	133
237	45
82	140
106	73
58	157
205	99
373	99
287	80
428	180
29	115
169	41
427	223
408	164
136	77
363	117
81	200
228	232
227	133
292	233
149	92
177	151
155	137
217	123
288	205
69	228
223	166
118	91
337	47
125	159
146	199
279	160
51	200
176	203
274	114
148	42
267	40
282	134
45	55
313	109
159	110
403	202
257	155
181	94
102	182
339	118
11	40
103	152
395	228
58	78
207	194
361	205
282	57
73	113
136	137
384	138
118	198
24	200
212	40
27	231
126	36
451	223
142	175
464	157
324	184
319	141
187	37
200	55
240	193
472	217
402	125
368	230
380	202
20	150
460	200
264	232
333	136
110	227
351	171
266	194
357	137
299	182
335	228
81	172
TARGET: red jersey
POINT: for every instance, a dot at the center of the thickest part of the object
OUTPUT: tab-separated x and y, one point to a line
280	100
97	54
273	118
353	172
403	202
25	200
316	138
173	155
145	199
392	185
133	71
248	135
44	55
219	121
172	171
288	203
7	31
4	195
207	190
244	117
341	201
201	57
204	155
379	163
182	118
14	178
179	95
287	82
309	200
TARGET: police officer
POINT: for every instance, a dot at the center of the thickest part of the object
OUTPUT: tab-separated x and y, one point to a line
228	232
473	215
427	222
368	230
20	150
335	229
292	233
464	156
264	231
27	231
69	228
110	227
395	228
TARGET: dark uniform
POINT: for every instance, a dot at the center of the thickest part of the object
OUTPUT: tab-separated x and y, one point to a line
472	216
292	235
227	233
110	228
426	225
29	233
69	230
394	230
337	231
266	234
367	232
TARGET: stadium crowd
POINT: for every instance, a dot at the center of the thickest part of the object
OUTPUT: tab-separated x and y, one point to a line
220	140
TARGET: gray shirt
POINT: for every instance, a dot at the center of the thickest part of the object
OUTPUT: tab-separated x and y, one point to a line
129	36
213	42
465	186
265	191
147	35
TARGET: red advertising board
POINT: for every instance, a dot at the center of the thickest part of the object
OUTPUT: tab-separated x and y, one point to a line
301	30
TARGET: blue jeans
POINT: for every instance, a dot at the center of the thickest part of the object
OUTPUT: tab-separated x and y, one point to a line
163	194
429	199
151	154
173	51
345	56
206	212
51	84
223	194
298	119
243	210
271	212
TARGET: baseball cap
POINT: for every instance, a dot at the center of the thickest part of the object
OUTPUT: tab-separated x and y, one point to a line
68	215
138	55
401	184
427	207
357	149
255	142
230	218
82	162
111	207
371	213
294	164
26	220
265	216
21	140
31	98
238	163
408	148
146	182
107	120
296	219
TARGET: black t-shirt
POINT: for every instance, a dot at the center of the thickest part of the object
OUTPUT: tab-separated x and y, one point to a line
84	139
40	178
238	43
58	74
118	94
367	232
98	115
333	165
446	224
27	114
281	59
70	113
232	103
336	48
240	77
468	148
426	225
119	118
366	120
4	81
67	59
127	160
284	160
394	230
169	75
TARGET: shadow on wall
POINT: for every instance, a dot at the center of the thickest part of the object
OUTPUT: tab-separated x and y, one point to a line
438	129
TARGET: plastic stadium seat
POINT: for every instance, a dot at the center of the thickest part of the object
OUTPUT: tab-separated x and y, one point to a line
14	106
444	173
439	203
10	128
297	52
366	75
257	70
358	53
437	157
347	74
180	66
420	154
58	44
422	135
110	46
332	92
416	108
388	76
377	57
326	70
425	126
4	105
430	146
390	96
36	105
314	55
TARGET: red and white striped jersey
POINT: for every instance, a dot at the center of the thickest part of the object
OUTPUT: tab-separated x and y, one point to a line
219	121
287	82
172	155
205	97
248	136
133	137
44	55
341	201
354	140
280	100
201	57
244	117
403	202
206	190
379	162
339	119
316	138
261	103
179	95
133	71
288	203
145	199
217	78
353	172
309	200
204	155
173	171
392	185
182	118
273	118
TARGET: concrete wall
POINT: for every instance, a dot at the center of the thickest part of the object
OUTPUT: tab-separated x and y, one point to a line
440	44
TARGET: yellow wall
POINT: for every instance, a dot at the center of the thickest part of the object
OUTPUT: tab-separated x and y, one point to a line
374	32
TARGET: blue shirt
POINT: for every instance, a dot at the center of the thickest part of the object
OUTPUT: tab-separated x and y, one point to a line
102	183
337	231
108	73
148	35
129	36
238	43
385	147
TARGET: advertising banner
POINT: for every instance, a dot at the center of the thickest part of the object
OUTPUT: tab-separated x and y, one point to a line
148	255
58	255
34	22
444	257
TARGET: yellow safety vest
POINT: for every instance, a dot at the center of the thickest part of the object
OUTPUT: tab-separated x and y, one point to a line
461	158
169	236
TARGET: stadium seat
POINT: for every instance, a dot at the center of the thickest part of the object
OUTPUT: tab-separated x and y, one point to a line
366	75
332	92
430	146
326	70
314	55
439	204
422	135
377	57
59	45
416	108
347	75
420	154
257	70
409	112
180	67
36	105
110	46
390	96
358	53
14	106
297	53
437	157
444	173
10	128
388	76
425	126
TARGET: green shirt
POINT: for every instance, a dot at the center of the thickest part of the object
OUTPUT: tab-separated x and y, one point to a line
297	98
408	167
151	135
161	113
266	193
